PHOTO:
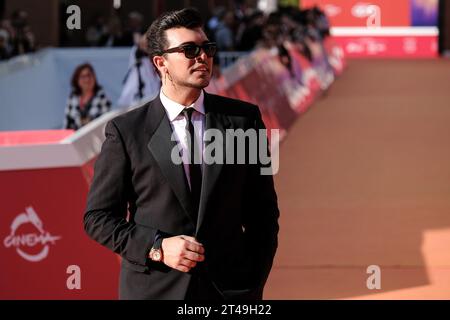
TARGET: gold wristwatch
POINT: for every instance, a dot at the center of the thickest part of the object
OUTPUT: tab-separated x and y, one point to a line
156	253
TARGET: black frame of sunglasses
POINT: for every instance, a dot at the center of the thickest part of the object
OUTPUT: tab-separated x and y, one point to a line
198	48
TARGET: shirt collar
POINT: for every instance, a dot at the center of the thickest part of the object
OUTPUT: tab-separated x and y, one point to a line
173	109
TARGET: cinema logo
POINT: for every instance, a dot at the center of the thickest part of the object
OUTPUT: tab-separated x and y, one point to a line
32	246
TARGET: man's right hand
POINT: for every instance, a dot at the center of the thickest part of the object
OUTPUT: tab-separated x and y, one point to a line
182	252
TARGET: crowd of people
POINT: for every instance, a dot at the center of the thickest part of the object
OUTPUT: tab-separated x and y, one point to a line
244	31
232	30
236	30
114	32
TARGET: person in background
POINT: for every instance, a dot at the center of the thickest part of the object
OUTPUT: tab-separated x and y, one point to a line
134	29
113	37
224	32
87	100
251	33
96	31
4	50
213	22
22	39
141	82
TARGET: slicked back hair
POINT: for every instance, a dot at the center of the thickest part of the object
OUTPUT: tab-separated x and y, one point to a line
157	41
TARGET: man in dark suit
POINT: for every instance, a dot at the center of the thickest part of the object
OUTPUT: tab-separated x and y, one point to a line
194	229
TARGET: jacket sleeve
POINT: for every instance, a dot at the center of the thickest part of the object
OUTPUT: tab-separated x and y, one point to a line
262	213
105	219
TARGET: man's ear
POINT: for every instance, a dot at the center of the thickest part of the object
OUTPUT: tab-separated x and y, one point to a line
160	63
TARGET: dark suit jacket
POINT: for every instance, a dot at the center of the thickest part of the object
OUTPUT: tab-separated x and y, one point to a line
237	218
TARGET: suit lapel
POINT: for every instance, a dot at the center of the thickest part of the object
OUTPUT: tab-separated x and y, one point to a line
211	172
161	146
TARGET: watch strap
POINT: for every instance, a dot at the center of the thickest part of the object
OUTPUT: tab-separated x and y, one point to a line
158	243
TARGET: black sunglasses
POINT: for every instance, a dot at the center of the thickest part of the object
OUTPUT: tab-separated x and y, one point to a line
193	50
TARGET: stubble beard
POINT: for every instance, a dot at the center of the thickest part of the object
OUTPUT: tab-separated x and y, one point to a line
196	85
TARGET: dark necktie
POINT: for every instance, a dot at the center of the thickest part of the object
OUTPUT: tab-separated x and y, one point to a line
194	168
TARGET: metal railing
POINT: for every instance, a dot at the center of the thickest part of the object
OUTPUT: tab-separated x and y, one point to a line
228	58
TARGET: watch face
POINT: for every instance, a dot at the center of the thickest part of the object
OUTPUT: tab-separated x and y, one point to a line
156	255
